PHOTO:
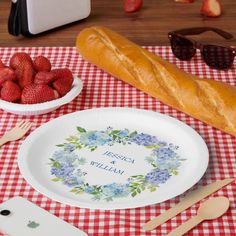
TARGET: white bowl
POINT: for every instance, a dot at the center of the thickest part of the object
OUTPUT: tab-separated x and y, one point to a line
45	107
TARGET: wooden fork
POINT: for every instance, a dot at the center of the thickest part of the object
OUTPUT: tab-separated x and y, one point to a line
16	133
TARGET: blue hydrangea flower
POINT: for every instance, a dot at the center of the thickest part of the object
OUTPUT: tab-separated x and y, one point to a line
81	161
157	176
115	190
58	154
123	133
64	157
69	147
162	143
95	138
72	181
164	153
79	173
167	164
144	139
89	189
63	171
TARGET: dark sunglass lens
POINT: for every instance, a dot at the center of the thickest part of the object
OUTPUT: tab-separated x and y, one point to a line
218	57
182	47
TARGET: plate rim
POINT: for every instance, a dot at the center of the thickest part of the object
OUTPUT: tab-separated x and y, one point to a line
25	173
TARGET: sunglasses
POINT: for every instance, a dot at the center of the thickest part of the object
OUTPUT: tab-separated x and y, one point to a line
215	56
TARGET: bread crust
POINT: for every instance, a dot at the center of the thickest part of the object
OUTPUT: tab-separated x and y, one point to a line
210	101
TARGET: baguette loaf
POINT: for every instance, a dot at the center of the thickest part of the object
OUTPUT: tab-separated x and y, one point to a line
210	101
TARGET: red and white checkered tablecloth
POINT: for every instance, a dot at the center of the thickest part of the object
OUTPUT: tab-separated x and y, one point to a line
102	90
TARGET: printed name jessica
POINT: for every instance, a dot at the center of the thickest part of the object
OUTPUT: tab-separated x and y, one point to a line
119	157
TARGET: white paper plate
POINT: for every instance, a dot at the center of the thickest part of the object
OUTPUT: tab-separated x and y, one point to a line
113	158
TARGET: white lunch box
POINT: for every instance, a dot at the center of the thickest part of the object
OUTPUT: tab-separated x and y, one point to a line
31	17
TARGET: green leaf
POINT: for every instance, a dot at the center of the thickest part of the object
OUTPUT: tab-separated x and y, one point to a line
115	132
175	172
78	146
133	194
74	190
136	176
60	145
56	179
140	178
133	134
138	190
80	129
155	146
153	189
56	164
80	192
154	165
72	139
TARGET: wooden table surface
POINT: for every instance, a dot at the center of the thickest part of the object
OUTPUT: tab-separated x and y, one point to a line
146	27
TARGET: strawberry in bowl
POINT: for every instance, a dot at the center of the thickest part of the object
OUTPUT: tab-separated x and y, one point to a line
32	87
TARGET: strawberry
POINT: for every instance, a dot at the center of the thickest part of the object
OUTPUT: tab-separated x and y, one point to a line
44	77
19	58
6	74
62	73
184	1
1	64
37	93
63	85
25	74
63	80
10	91
41	63
132	5
211	8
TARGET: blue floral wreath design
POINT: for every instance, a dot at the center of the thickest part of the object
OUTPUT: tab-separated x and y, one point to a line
65	163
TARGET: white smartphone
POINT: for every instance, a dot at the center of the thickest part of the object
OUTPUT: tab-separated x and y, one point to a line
20	217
